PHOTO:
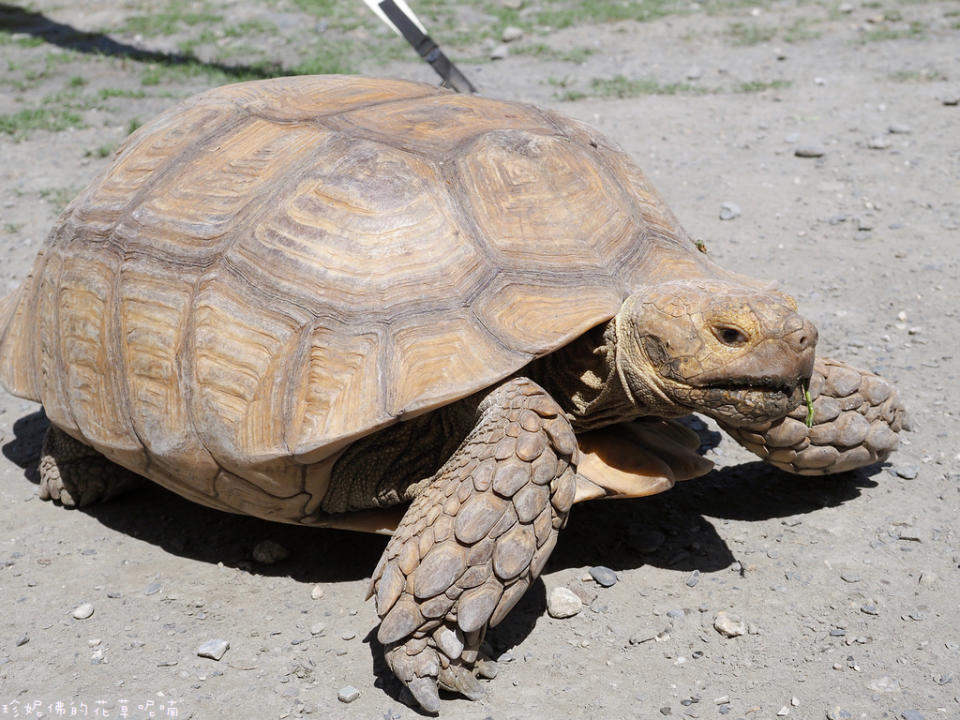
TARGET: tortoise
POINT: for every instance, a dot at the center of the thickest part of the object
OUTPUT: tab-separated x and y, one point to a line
377	305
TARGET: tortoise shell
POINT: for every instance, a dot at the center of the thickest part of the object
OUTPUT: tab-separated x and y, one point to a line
271	270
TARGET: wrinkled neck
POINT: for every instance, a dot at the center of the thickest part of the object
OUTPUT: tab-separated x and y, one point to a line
583	378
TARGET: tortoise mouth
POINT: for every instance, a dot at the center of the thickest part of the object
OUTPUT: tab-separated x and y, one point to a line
764	384
746	400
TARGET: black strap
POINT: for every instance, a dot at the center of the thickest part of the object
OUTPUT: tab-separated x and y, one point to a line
427	48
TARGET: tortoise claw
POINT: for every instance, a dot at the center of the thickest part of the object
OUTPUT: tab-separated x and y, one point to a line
424	690
459	679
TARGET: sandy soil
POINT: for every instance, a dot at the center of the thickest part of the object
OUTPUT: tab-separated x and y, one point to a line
847	585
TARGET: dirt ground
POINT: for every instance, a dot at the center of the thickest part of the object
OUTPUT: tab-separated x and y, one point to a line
847	585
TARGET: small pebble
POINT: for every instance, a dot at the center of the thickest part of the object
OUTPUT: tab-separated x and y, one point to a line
511	34
952	100
499	52
898	129
24	639
809	151
603	575
693	579
869	609
82	612
348	635
912	715
907	472
729	211
348	694
795	701
269	552
213	649
838	714
665	710
694	73
878	143
153	588
729	626
316	593
783	712
317	629
944	678
586	595
563	603
676	613
722	700
850	576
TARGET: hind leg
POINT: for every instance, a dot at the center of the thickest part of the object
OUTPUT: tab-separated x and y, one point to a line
76	475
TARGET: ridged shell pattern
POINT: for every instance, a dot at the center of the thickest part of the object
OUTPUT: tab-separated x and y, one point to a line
271	270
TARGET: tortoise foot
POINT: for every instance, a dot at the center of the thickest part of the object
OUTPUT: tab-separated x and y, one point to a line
76	475
473	541
857	420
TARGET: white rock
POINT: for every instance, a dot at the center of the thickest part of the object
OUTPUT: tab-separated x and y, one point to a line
317	628
563	603
729	211
885	684
82	612
213	649
499	52
316	593
510	34
727	625
348	694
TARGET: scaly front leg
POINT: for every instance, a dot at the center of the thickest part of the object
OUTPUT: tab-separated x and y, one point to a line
474	539
857	419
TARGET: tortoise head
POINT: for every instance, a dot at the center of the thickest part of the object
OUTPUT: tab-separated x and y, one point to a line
730	351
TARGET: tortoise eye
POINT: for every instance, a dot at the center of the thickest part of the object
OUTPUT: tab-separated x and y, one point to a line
730	336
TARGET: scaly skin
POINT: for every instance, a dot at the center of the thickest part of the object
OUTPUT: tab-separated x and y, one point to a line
75	474
474	540
856	420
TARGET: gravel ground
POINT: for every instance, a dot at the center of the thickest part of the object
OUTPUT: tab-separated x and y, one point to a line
747	593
